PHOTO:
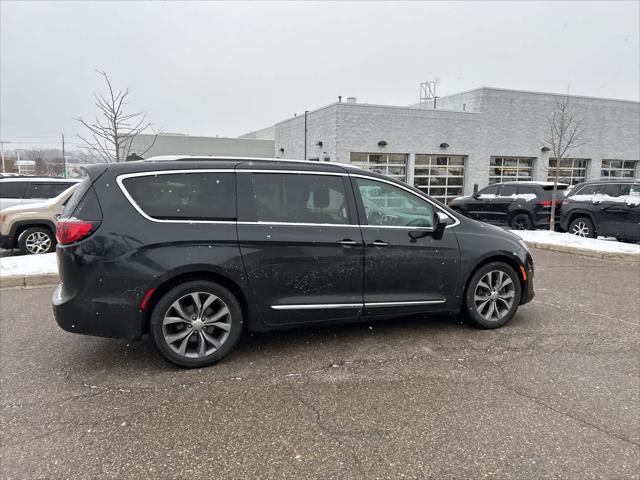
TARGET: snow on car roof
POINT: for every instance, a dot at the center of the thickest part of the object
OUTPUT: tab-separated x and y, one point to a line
38	179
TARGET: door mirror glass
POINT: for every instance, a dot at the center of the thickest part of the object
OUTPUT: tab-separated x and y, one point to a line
388	205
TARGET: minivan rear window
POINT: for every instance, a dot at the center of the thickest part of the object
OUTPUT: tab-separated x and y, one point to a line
184	196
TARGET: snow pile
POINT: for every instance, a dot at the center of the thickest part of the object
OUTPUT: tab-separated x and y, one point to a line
567	239
28	265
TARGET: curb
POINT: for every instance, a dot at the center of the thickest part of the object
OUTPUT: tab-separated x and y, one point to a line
583	252
29	280
53	279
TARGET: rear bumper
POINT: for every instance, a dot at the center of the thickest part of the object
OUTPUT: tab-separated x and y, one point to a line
102	317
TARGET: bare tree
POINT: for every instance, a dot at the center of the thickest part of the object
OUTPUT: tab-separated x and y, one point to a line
565	131
110	136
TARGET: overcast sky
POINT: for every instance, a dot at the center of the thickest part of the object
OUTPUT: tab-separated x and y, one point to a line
229	68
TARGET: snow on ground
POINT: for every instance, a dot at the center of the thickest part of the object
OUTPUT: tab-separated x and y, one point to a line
28	265
567	239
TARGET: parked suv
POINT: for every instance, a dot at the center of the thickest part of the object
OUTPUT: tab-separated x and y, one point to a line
21	190
31	227
195	250
603	208
519	205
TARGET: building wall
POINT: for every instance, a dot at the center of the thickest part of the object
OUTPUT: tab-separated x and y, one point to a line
168	144
495	122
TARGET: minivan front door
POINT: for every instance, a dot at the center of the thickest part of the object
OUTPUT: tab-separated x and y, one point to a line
301	245
407	268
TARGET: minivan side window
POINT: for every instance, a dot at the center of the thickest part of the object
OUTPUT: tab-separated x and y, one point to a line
185	196
300	198
12	189
47	190
388	205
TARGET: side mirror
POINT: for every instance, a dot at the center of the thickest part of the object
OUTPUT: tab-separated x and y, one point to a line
443	221
475	195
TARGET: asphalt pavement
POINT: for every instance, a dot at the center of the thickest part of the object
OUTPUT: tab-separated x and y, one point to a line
554	394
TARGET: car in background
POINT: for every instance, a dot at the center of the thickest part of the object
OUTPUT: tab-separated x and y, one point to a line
606	208
31	228
518	205
19	190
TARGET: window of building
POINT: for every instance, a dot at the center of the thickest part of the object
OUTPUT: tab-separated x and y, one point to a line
185	196
571	170
618	169
300	198
393	165
510	169
389	205
441	177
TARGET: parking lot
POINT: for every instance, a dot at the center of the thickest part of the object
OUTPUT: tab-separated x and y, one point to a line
554	394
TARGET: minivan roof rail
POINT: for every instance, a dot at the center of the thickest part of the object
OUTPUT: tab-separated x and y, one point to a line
213	158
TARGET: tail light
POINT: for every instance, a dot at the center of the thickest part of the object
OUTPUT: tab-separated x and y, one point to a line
69	231
548	203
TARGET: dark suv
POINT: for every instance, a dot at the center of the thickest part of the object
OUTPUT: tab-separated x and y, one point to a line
194	250
519	205
603	208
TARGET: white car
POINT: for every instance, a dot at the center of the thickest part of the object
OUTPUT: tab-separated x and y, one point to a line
23	190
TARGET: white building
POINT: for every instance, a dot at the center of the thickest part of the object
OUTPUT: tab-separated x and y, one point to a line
479	137
180	144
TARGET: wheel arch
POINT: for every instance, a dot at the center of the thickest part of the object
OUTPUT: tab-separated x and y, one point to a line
499	257
518	211
20	226
581	213
184	277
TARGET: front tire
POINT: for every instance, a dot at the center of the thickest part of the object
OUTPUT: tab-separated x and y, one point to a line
36	240
197	323
582	227
493	295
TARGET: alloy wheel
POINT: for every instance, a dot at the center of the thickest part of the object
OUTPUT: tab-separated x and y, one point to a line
494	295
580	229
196	325
38	242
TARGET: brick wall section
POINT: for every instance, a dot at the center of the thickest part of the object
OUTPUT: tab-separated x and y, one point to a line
496	123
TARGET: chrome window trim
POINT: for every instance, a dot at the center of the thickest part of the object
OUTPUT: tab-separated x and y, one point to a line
121	178
375	179
319	306
300	224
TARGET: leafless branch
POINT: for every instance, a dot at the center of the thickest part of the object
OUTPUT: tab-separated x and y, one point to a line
112	132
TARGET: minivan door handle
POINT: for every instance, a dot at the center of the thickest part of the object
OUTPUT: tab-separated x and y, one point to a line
380	243
348	242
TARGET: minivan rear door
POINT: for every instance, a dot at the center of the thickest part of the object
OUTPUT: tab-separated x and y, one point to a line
301	244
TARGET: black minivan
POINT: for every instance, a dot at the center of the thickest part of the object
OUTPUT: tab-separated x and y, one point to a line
194	250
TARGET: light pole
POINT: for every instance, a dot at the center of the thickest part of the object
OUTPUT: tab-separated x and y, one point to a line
2	150
305	133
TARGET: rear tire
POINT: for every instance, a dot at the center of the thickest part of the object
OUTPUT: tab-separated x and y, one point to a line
521	221
582	227
36	240
493	295
195	324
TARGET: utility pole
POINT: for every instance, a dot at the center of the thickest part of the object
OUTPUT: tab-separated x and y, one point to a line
305	133
2	150
64	158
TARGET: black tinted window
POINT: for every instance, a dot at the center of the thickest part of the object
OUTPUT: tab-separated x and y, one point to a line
12	189
47	190
73	201
611	190
586	190
527	190
185	196
489	192
507	190
300	198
